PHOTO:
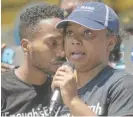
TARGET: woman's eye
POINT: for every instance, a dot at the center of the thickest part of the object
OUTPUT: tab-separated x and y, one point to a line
87	32
88	35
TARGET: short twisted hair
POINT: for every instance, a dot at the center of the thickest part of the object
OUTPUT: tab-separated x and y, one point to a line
30	18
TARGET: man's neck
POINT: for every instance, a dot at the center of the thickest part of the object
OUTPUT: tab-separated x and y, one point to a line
84	77
31	75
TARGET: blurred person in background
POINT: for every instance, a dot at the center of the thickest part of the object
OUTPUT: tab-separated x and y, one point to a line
126	60
26	90
127	24
70	5
92	40
11	54
12	41
125	11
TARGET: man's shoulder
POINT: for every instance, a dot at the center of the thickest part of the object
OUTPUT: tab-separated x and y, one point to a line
10	81
6	75
7	84
7	79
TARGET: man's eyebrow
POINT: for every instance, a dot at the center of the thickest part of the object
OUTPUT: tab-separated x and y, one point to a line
51	36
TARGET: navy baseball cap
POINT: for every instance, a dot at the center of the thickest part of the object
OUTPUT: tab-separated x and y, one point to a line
93	15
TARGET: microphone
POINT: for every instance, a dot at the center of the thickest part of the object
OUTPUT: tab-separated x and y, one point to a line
56	97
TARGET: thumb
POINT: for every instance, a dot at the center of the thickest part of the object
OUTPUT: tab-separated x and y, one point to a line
3	46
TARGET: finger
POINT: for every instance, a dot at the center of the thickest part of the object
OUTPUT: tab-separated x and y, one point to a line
4	65
58	78
68	69
61	68
7	66
65	69
60	73
3	46
4	70
56	84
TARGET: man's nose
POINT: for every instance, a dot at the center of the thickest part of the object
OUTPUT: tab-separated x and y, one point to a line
60	52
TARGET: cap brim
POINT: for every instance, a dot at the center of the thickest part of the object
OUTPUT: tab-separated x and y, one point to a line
88	23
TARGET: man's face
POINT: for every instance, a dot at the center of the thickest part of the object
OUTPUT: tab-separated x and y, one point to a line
86	48
47	46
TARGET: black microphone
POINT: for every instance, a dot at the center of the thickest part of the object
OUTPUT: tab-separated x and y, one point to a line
56	97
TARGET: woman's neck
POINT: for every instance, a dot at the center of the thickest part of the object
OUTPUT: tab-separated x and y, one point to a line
85	76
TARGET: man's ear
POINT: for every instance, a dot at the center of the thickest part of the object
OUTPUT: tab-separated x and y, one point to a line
26	46
112	40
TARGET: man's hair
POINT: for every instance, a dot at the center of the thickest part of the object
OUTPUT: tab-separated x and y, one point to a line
30	18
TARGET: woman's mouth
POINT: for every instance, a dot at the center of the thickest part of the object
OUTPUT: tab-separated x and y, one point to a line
77	55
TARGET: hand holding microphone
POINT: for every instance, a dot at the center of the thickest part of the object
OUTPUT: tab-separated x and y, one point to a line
64	79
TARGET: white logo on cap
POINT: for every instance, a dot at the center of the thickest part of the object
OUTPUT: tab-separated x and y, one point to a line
89	8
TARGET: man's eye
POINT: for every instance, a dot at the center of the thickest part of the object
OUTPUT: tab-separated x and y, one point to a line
69	33
52	44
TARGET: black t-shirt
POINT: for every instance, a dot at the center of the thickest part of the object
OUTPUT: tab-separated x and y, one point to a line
110	93
22	99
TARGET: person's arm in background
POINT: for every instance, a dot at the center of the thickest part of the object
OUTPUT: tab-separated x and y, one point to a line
4	66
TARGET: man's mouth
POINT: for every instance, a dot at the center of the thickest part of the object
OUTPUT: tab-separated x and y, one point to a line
61	59
57	63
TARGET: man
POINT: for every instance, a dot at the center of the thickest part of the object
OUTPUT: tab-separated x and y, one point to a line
26	90
128	43
91	40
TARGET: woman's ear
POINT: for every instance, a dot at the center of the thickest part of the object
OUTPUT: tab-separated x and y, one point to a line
112	42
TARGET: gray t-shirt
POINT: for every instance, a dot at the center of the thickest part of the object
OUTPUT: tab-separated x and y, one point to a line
110	93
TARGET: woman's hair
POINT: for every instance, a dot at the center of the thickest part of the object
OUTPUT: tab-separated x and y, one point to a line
115	54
